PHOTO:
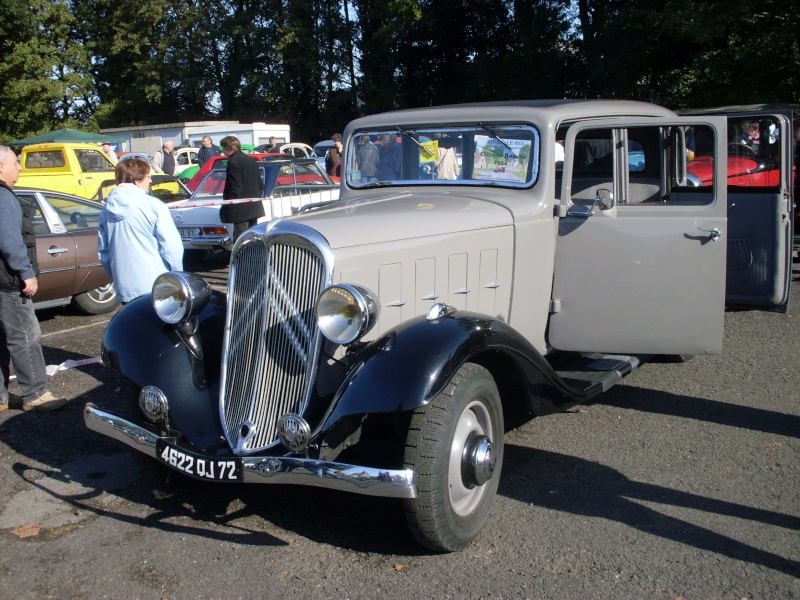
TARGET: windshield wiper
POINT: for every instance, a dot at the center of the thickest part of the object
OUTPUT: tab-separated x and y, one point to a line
493	133
411	137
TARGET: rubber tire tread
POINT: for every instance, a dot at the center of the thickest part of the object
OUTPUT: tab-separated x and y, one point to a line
430	517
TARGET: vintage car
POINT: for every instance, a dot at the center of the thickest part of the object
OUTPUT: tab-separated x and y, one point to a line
288	186
66	249
219	161
382	344
71	168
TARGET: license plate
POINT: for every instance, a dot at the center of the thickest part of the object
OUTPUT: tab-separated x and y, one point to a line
201	467
188	233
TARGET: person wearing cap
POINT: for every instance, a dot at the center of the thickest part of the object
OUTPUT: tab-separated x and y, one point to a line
110	152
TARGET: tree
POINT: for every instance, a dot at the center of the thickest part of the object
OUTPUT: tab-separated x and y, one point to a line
45	81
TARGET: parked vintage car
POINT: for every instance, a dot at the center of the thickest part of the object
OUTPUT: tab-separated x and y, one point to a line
185	157
220	161
288	186
382	344
66	249
64	167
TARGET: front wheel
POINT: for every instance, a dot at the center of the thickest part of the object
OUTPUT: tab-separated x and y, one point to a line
455	446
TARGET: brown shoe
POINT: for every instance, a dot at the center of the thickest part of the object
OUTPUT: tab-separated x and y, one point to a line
44	403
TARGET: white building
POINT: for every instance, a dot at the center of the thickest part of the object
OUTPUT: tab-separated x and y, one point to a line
150	138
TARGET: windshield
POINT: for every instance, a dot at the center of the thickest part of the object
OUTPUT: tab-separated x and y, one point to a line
481	154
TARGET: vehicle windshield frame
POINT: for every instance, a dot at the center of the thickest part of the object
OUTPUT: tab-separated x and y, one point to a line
496	154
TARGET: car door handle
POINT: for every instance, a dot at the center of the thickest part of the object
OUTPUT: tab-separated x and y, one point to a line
715	233
55	250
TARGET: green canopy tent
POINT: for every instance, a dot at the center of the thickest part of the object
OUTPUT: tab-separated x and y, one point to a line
64	135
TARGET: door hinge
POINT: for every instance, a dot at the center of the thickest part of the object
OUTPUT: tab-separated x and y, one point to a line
555	305
560	210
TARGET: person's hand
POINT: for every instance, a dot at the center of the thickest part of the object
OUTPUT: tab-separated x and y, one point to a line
29	286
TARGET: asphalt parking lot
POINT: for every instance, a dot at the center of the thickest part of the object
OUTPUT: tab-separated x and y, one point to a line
683	481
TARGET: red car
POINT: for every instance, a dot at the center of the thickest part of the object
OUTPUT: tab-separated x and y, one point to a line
215	162
746	167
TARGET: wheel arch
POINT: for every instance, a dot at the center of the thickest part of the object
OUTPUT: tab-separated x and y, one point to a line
410	365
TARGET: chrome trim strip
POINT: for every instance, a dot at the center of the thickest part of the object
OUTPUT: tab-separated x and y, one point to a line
59	270
369	481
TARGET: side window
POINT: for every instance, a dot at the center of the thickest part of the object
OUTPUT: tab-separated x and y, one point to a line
644	166
74	215
35	212
754	153
48	159
93	161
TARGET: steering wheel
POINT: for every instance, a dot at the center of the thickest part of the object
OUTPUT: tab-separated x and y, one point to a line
741	149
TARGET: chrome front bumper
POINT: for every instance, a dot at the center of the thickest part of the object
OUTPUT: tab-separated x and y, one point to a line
387	483
208	241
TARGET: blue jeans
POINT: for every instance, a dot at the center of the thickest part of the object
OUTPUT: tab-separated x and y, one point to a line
20	344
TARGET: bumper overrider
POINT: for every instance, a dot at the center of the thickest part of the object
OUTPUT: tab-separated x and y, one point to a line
388	483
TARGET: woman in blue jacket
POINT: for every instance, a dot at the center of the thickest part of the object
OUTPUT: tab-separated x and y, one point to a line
137	238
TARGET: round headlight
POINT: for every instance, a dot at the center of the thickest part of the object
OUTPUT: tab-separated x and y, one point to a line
178	296
346	312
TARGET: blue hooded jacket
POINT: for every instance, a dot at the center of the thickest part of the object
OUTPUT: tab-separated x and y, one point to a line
137	241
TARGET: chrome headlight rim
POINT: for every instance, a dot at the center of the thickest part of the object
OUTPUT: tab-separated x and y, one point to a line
177	296
342	329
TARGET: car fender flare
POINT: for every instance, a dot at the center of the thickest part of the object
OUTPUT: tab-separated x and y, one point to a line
408	366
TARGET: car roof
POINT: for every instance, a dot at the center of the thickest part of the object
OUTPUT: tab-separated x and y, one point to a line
30	190
739	108
545	111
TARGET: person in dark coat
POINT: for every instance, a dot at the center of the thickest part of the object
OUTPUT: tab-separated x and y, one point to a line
242	180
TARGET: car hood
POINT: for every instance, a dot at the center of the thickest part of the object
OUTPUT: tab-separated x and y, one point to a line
403	216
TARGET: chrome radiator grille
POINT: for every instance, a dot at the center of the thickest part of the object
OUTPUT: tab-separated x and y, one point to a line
272	339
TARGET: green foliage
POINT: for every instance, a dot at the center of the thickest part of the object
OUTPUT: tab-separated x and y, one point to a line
44	78
316	64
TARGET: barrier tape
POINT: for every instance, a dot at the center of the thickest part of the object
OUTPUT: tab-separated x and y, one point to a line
68	364
219	203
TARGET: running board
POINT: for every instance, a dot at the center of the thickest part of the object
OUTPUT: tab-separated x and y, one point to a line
594	375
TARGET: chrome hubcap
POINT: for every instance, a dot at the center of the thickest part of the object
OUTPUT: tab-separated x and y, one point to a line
478	462
472	459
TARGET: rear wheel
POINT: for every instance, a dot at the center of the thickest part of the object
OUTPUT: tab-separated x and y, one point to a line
97	301
455	446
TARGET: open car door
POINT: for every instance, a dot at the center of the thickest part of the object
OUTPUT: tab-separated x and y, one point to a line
760	179
640	256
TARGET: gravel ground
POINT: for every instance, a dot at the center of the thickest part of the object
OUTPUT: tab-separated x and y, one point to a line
681	482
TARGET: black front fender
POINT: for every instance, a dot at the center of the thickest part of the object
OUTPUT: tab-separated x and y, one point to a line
185	367
410	365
